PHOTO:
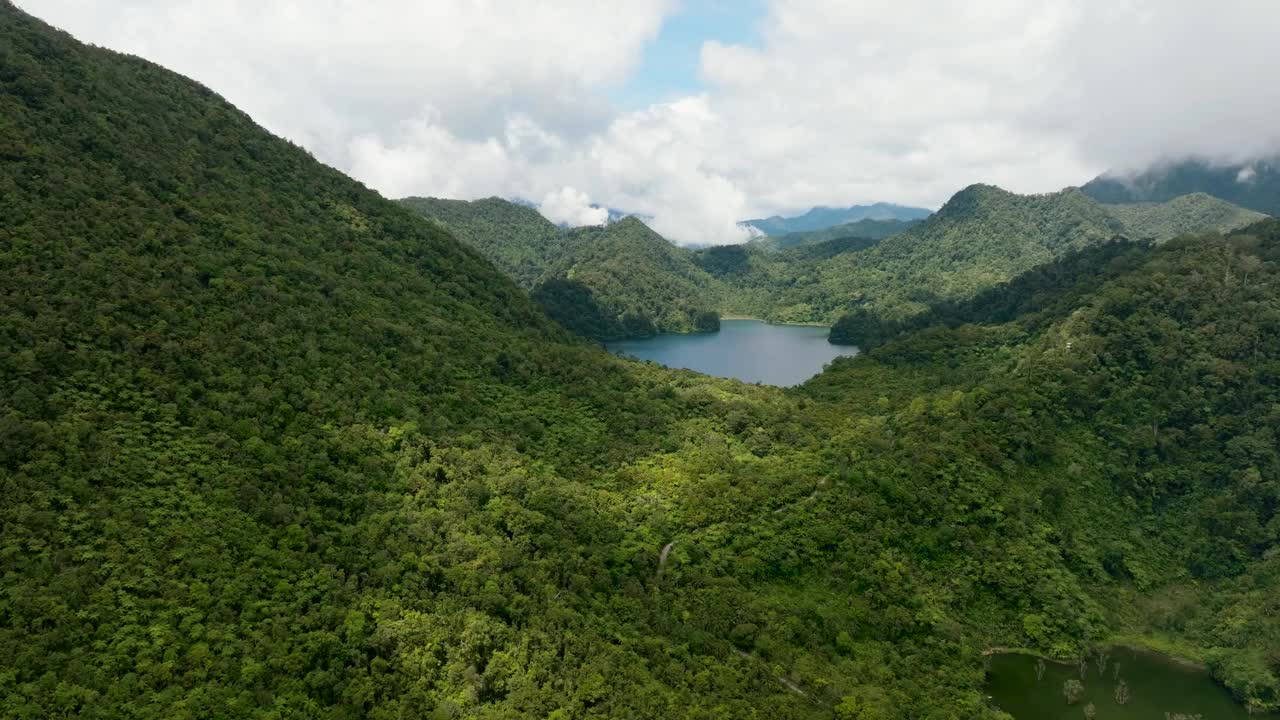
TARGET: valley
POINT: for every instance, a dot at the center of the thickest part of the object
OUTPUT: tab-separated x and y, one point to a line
275	446
625	281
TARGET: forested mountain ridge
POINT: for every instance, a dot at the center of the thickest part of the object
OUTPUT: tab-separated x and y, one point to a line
253	414
275	447
613	281
868	229
516	238
1254	184
1192	213
820	218
1140	403
985	236
981	237
637	276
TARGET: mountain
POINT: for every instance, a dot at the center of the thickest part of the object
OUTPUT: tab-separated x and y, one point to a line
1195	212
273	446
1254	184
867	228
984	236
262	430
634	275
820	218
981	237
514	237
613	281
1095	372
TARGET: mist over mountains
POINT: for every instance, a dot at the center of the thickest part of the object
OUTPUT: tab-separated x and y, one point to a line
1253	184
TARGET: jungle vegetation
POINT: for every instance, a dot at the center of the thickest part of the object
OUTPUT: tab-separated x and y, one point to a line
982	237
272	446
866	229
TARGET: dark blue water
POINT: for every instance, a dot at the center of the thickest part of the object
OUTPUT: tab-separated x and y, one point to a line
1155	685
748	350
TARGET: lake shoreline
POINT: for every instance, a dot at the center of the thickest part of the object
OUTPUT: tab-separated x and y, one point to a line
1029	685
772	322
1125	643
752	351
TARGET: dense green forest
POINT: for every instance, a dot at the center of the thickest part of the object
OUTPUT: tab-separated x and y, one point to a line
985	236
1186	213
628	281
619	280
1144	383
515	238
641	276
272	446
867	229
1254	184
982	237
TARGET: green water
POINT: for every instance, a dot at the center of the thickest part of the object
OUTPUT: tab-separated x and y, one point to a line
748	350
1157	685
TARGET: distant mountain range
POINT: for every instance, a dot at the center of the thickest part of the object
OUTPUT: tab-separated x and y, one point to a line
866	229
820	218
1254	184
625	280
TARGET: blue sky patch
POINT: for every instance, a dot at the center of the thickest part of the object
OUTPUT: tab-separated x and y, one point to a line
669	67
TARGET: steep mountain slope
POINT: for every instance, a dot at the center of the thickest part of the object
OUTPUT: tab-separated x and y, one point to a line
820	218
984	236
619	280
1196	212
515	238
1136	387
1041	295
639	277
1254	185
867	229
272	446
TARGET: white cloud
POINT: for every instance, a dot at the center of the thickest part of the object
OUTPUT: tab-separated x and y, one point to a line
1246	175
910	100
841	101
572	207
428	159
325	71
661	163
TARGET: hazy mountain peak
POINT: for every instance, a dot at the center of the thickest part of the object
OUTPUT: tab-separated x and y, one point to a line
822	217
1252	183
971	197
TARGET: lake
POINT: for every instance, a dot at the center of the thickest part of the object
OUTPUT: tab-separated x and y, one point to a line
1156	685
748	350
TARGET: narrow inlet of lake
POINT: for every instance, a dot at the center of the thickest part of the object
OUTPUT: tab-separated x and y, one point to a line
748	350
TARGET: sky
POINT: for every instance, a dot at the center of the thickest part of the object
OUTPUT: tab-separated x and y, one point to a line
698	114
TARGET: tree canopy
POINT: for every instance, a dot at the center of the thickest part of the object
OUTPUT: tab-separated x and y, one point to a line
272	446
